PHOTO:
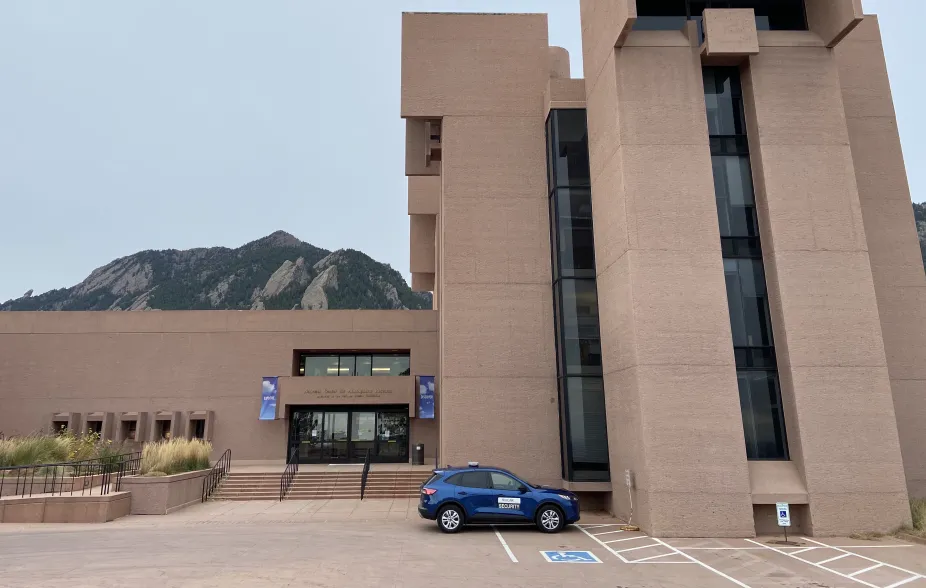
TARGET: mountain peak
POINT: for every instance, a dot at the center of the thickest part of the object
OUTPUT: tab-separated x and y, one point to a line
276	272
280	239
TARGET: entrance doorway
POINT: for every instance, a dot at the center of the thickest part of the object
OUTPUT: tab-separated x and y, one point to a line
343	435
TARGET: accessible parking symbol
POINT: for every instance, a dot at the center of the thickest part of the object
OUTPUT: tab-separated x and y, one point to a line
570	557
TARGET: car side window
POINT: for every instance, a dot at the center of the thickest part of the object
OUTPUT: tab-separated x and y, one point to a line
503	482
474	480
455	479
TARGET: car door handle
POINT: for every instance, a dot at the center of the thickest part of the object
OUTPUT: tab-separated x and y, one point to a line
462	493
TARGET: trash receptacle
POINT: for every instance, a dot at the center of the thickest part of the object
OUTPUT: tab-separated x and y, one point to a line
418	454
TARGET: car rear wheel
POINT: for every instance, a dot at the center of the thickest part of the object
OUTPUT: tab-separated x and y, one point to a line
450	519
550	519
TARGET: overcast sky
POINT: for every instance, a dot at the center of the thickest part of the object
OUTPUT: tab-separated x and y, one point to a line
153	124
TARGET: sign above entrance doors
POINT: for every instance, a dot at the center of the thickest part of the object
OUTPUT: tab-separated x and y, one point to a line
269	392
425	397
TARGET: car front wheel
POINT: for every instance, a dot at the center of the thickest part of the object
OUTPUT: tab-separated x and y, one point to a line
450	519
550	519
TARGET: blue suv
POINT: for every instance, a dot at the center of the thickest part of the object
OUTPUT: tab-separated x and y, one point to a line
455	497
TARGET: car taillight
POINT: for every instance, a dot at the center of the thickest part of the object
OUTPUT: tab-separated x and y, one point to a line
428	491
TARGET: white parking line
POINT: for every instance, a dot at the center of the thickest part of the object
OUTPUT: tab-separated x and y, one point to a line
913	575
595	526
627	539
860	572
691	560
652	557
636	548
608	533
505	545
826	561
902	582
799	550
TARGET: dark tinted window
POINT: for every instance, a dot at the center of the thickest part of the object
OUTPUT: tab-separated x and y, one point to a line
575	240
748	302
774	15
578	344
588	428
502	481
350	364
474	480
762	418
578	327
723	97
569	148
736	205
744	273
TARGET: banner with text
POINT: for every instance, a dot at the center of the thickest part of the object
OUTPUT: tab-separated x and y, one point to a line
268	398
425	397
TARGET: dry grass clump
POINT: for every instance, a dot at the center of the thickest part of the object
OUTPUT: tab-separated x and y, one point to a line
918	510
175	456
34	449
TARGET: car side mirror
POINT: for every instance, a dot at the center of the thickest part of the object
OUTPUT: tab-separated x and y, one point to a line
523	489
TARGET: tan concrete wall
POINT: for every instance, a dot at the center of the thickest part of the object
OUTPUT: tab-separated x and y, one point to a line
65	508
486	76
191	360
832	20
605	25
165	494
730	32
473	64
421	243
670	380
423	194
352	391
838	408
893	247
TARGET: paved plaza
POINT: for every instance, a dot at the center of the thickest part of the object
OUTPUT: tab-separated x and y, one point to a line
383	543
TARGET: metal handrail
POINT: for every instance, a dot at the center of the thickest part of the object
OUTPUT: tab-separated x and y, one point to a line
289	474
218	473
365	474
99	473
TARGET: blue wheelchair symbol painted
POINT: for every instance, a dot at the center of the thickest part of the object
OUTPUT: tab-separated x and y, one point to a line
570	557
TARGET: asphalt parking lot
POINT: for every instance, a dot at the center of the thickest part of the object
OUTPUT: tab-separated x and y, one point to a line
375	545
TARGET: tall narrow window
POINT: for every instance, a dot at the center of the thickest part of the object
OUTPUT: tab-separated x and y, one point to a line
744	272
583	426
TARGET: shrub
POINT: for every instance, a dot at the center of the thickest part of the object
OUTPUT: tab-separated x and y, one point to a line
918	509
175	456
40	449
33	449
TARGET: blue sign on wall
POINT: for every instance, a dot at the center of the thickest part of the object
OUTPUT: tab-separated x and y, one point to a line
425	397
269	391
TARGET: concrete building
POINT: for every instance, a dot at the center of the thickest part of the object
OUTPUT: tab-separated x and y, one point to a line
687	286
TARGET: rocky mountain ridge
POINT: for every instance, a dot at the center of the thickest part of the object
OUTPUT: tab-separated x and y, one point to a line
277	272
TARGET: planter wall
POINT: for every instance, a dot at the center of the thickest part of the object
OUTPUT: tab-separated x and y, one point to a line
164	495
65	509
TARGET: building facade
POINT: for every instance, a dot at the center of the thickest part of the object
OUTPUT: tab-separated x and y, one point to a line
687	286
698	263
346	381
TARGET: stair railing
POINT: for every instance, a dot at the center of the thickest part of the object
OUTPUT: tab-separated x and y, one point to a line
365	474
218	473
289	474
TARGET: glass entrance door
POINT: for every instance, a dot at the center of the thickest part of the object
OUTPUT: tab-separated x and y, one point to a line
305	435
334	437
392	436
344	435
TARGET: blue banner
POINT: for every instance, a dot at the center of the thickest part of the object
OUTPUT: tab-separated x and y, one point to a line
425	397
268	398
